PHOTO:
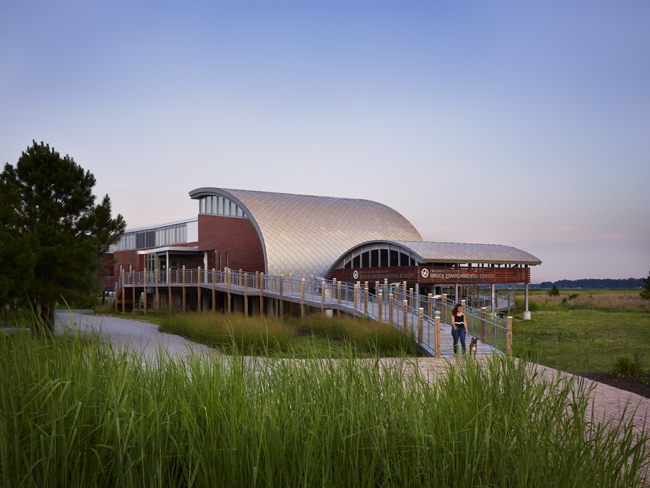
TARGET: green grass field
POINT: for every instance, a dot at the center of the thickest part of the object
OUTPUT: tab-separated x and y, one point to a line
583	330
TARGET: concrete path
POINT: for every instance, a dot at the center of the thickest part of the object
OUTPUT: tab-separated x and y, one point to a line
143	337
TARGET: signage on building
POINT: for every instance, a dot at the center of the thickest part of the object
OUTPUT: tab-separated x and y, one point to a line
434	275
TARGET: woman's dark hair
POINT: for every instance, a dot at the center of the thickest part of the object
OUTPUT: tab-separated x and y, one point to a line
454	312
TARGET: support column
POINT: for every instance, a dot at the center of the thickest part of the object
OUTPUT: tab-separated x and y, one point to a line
157	296
456	293
169	285
526	311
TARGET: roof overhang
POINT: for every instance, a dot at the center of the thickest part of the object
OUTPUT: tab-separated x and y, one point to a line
174	249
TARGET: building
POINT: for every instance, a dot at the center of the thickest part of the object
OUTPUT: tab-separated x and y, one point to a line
347	239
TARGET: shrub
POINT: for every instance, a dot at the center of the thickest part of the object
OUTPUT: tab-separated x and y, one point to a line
625	367
554	292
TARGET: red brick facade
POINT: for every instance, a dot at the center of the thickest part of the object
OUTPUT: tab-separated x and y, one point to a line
234	236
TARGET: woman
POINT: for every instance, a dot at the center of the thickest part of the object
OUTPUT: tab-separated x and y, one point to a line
458	327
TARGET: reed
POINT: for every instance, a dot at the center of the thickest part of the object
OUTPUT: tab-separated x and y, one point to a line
78	413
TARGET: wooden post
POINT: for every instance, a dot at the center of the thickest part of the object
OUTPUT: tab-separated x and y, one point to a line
333	288
356	290
509	345
420	330
311	285
322	299
184	302
411	297
116	291
257	280
228	276
365	299
302	298
198	289
405	309
437	336
444	309
246	294
275	277
157	296
145	291
169	287
338	294
390	308
379	304
281	304
123	293
483	310
430	301
239	278
261	294
214	304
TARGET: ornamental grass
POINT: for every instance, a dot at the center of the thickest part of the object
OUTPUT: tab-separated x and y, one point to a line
76	412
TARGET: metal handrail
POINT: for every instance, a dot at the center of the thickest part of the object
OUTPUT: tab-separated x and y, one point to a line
489	328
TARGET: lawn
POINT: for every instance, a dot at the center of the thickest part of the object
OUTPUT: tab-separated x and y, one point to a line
585	331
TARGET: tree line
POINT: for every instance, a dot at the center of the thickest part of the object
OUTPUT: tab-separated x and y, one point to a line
595	284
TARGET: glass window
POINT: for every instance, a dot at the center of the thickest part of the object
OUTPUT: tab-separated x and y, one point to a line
233	209
220	206
240	212
214	205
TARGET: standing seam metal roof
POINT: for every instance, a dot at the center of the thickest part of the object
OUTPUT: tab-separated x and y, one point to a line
305	234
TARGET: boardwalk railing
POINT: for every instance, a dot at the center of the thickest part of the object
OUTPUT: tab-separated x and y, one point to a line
393	304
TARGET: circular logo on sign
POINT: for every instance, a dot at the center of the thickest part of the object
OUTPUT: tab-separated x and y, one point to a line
425	273
355	275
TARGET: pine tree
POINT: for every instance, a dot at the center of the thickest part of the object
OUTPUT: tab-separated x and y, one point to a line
646	289
52	209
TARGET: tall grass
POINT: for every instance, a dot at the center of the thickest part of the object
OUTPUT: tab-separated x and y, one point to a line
77	413
606	302
290	337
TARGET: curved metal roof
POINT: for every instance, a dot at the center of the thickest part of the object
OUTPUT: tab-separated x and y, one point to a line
453	252
305	234
445	252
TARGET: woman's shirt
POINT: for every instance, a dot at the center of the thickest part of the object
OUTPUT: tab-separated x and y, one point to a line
460	320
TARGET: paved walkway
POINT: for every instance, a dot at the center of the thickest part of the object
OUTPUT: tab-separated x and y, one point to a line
143	337
609	402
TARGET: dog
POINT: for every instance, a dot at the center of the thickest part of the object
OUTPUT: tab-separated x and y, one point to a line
473	347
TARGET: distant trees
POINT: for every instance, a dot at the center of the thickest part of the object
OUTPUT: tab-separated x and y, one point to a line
594	284
52	233
646	289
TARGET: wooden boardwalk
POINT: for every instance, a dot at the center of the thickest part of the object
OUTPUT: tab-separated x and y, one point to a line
311	295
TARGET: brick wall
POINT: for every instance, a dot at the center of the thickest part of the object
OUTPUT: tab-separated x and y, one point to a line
235	236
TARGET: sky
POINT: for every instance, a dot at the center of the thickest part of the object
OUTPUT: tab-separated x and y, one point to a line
522	123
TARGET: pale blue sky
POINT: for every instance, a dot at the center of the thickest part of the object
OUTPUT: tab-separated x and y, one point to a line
525	123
